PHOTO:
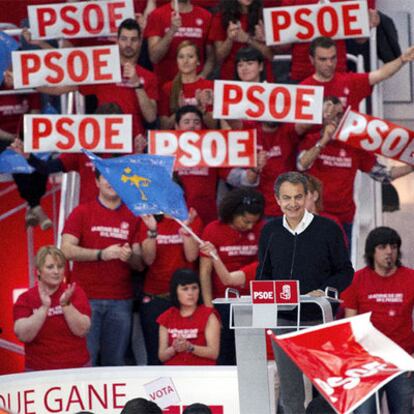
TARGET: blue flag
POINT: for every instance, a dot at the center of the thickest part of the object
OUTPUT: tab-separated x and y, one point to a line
7	45
144	183
13	163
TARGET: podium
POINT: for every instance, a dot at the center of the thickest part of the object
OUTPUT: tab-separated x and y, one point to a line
253	384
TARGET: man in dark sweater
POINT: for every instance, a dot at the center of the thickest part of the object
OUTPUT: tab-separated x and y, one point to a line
306	248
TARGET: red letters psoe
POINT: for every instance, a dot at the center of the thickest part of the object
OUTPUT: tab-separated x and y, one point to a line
303	23
268	102
78	19
377	136
221	148
71	66
71	133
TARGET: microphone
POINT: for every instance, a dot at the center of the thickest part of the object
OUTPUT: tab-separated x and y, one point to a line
260	276
389	261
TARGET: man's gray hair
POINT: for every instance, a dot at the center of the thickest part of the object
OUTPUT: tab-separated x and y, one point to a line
292	177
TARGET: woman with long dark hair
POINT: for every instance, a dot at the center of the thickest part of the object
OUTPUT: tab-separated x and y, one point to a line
236	236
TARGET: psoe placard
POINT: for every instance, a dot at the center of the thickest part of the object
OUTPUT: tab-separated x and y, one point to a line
72	133
70	66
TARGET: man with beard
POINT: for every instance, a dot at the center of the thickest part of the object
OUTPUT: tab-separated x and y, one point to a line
385	287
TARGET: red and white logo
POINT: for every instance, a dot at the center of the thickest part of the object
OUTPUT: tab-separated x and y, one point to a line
287	291
377	136
267	102
306	22
262	291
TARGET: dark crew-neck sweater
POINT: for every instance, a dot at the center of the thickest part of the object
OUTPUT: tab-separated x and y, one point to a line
317	257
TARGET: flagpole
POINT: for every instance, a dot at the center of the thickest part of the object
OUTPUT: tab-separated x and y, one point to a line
189	230
377	403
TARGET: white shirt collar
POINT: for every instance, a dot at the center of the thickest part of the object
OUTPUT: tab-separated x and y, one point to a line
302	226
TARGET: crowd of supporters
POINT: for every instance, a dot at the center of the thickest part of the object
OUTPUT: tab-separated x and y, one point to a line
170	58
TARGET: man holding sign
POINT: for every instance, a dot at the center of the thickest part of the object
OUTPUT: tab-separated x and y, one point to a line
350	88
200	179
137	94
336	164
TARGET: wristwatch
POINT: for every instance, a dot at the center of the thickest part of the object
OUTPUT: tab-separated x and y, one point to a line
319	146
152	234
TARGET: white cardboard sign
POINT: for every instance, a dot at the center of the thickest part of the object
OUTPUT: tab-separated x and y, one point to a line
72	133
268	102
304	23
70	66
162	391
78	19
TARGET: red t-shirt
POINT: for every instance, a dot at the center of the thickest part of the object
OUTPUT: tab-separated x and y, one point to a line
336	166
189	94
249	273
219	34
350	88
141	4
55	346
191	328
125	96
170	254
194	27
301	66
98	227
236	249
12	109
390	299
200	188
281	147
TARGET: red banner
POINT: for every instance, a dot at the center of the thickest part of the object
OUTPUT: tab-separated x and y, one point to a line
347	360
78	19
376	135
210	148
72	133
71	66
268	102
306	22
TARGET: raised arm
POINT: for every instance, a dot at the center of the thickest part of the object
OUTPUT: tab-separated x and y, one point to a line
391	68
236	278
158	46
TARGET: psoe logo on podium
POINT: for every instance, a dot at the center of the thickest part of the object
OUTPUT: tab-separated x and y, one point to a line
264	305
262	291
287	292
